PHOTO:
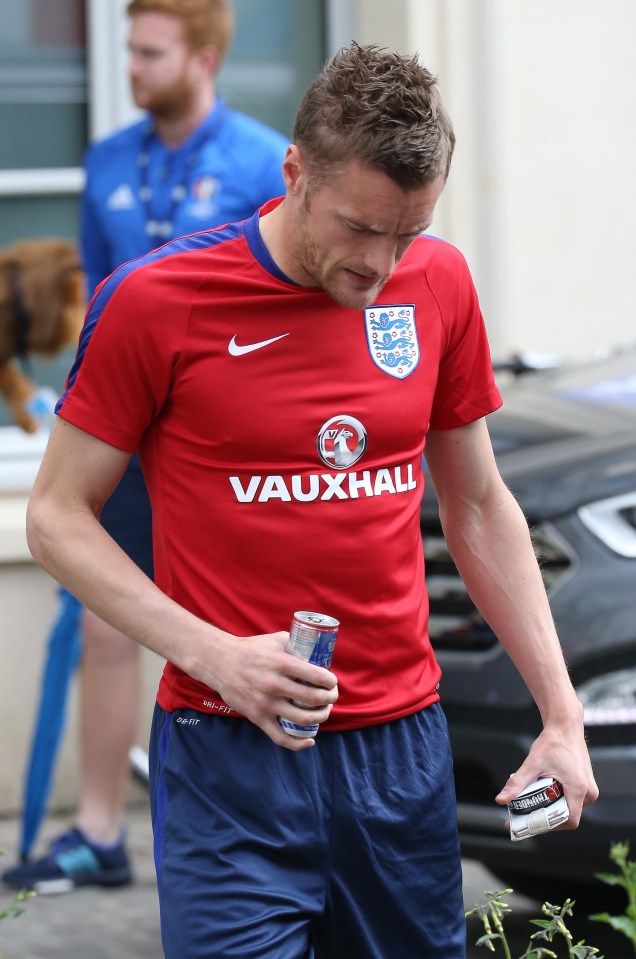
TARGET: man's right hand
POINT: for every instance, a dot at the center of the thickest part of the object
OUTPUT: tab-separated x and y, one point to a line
258	678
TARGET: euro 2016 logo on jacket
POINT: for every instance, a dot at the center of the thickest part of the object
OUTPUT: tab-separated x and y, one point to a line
392	338
204	196
341	442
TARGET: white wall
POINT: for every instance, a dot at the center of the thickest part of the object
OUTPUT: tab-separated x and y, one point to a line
28	600
540	197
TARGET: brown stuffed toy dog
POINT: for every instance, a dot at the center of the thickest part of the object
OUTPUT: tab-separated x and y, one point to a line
42	306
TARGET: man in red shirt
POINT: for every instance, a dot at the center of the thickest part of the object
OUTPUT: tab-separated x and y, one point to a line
281	380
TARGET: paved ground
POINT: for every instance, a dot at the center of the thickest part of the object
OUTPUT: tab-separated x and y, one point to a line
124	923
91	923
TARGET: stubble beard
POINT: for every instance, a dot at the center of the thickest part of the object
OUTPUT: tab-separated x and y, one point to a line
168	104
311	259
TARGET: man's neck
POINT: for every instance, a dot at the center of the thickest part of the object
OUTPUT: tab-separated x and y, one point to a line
278	233
174	131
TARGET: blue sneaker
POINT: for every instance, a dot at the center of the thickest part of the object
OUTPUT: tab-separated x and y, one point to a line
71	861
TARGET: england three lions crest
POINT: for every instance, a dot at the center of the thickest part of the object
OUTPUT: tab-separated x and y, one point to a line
392	338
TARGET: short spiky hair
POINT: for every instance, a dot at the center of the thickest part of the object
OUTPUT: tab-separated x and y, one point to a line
380	108
205	22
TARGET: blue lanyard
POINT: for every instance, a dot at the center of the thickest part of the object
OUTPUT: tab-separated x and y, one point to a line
161	228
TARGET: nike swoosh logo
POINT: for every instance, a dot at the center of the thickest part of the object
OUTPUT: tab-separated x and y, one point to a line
235	350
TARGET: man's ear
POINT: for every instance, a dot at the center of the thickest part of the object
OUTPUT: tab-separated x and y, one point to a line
209	59
294	170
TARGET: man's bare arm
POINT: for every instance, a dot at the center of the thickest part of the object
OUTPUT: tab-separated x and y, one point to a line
253	674
489	540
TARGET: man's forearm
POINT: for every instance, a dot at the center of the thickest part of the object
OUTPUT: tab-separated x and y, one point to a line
494	555
76	551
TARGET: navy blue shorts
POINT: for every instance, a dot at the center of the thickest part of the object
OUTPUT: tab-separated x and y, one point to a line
127	516
348	850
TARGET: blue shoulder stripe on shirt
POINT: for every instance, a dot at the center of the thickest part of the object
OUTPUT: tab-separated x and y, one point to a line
260	251
183	244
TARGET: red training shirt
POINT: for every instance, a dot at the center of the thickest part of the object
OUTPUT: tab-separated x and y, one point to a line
281	437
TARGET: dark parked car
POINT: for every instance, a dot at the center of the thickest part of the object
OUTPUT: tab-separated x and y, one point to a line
565	441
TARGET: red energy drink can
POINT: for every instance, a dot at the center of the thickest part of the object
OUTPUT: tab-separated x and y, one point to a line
312	637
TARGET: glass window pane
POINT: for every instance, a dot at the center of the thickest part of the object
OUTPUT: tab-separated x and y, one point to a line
279	46
22	217
43	88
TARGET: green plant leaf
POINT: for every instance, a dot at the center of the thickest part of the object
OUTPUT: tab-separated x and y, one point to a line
487	940
623	924
610	878
581	951
600	917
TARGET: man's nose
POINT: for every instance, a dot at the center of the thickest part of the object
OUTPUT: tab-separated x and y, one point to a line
380	256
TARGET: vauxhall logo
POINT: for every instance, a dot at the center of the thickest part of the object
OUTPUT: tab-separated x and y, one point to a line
341	442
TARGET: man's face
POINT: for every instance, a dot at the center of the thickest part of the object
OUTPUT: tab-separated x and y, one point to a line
354	229
163	71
